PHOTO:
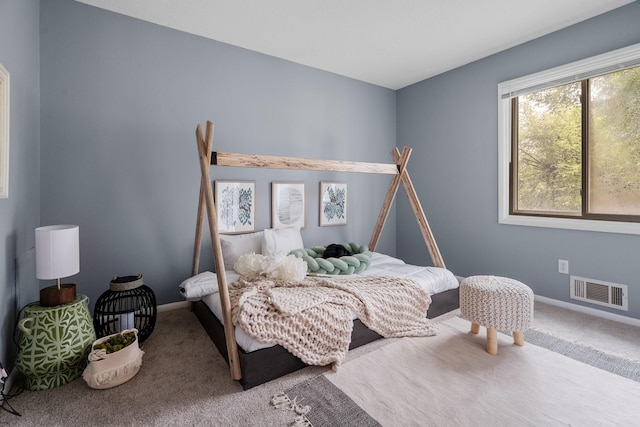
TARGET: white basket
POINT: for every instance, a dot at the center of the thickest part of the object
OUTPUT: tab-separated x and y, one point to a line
110	370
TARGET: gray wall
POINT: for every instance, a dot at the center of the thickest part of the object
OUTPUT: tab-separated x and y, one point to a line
120	102
451	120
20	213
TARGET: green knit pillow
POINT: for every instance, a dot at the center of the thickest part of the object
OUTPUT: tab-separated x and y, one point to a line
355	263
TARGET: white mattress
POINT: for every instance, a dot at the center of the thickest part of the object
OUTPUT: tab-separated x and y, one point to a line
433	279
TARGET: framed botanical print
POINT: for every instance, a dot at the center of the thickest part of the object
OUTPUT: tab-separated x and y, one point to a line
235	206
288	204
333	203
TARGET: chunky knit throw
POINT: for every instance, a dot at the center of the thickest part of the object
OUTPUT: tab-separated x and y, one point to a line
313	318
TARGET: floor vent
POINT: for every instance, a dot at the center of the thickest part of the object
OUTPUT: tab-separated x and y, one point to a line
600	292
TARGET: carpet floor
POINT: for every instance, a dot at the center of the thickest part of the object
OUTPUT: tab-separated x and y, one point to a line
185	381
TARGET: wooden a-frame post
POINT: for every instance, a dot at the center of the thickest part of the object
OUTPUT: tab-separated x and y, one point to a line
423	224
206	200
403	176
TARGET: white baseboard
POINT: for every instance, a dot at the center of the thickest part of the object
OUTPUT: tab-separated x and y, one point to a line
173	306
591	311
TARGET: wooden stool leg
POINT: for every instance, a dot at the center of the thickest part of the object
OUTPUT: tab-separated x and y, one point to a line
492	341
518	338
475	328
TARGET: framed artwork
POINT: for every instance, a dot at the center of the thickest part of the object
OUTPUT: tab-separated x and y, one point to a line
333	203
4	133
235	206
288	207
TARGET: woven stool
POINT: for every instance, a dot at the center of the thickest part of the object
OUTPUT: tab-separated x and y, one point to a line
497	303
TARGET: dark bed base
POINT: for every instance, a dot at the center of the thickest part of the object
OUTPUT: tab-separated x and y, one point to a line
270	363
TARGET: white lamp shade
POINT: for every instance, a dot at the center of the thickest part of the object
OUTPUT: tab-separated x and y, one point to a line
57	251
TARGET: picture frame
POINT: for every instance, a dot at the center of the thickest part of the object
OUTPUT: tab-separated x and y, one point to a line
333	203
4	132
288	204
235	206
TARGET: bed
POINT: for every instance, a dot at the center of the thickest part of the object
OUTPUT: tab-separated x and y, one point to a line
253	363
261	362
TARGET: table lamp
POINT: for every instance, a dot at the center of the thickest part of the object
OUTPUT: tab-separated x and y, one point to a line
57	256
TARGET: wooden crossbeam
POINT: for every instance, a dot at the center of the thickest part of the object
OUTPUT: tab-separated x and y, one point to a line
220	158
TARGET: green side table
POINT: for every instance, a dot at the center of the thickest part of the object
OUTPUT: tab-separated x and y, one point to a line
54	343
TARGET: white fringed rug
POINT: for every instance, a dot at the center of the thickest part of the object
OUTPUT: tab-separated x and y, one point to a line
450	380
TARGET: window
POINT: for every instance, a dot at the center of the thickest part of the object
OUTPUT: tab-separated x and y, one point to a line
569	145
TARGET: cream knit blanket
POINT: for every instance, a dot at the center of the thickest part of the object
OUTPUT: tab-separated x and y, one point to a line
313	318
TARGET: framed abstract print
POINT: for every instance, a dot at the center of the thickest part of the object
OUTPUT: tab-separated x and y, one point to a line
236	206
288	204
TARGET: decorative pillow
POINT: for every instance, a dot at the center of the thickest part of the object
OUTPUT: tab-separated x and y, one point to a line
355	263
281	240
234	245
335	250
283	267
201	284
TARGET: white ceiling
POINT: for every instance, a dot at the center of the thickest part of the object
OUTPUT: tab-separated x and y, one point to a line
388	43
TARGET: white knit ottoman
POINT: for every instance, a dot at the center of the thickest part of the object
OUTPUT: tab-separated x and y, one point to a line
497	303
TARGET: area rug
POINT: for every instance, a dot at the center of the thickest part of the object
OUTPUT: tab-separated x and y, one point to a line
450	380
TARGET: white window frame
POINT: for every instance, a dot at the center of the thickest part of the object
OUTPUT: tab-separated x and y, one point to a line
575	71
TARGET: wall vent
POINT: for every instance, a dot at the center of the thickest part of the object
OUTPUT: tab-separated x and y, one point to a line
599	292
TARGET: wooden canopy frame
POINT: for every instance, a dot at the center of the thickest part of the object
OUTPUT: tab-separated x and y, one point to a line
206	203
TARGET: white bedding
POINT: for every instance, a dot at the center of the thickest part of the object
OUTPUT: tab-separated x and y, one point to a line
433	279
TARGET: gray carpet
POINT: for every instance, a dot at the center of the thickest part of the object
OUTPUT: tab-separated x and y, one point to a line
609	362
185	381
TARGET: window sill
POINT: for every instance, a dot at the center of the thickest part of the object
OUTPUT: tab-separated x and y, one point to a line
571	224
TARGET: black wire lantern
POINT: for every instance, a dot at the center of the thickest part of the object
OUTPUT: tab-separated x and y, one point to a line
128	303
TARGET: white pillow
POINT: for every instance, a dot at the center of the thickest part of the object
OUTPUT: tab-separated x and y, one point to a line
281	240
234	245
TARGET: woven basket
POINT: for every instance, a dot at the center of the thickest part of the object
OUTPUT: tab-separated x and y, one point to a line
110	370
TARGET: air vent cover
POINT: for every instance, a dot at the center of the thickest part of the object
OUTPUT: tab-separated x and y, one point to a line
599	292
